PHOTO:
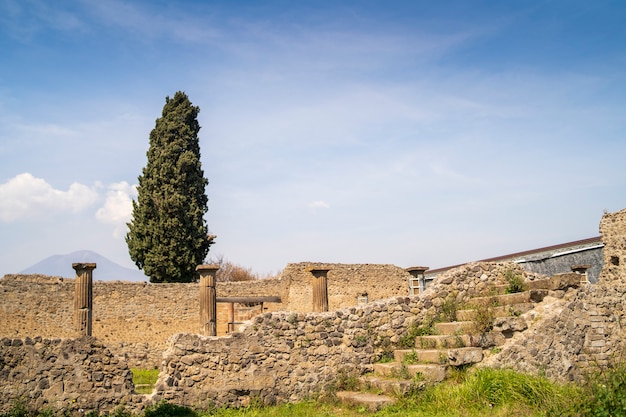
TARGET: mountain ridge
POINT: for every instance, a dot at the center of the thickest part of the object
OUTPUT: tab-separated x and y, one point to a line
106	270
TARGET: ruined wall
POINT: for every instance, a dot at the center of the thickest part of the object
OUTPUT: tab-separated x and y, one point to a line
290	356
71	374
133	319
585	332
345	282
613	231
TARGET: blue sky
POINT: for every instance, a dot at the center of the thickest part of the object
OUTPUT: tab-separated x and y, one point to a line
402	132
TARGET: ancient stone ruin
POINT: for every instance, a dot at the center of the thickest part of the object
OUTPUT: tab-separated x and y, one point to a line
301	330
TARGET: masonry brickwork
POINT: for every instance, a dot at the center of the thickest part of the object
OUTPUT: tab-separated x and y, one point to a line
613	231
135	319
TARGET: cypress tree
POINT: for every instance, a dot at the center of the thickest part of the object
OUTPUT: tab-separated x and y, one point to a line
168	236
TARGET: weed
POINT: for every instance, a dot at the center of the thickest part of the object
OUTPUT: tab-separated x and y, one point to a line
515	282
402	372
483	319
292	319
19	410
458	341
346	381
360	340
427	343
411	358
425	329
514	312
449	309
165	409
605	393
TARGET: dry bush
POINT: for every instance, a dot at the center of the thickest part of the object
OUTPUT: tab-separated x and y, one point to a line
230	272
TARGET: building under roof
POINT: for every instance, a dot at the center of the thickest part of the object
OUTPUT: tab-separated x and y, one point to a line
551	260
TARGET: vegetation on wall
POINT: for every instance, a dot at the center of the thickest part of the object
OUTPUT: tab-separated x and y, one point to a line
168	236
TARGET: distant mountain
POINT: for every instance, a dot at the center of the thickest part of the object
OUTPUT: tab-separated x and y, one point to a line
106	270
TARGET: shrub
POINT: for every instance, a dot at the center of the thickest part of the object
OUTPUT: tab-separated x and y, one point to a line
165	409
515	282
483	318
606	393
426	328
230	272
449	309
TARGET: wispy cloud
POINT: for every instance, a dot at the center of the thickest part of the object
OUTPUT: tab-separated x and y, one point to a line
25	196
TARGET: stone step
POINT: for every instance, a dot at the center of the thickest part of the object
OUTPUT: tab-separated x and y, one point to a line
455	327
556	282
456	357
373	402
428	372
414	356
531	296
387	386
500	311
445	341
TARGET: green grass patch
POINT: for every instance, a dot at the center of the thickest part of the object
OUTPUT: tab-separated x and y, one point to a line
144	379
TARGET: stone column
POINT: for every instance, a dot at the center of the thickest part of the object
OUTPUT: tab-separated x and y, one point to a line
83	298
417	275
320	290
208	301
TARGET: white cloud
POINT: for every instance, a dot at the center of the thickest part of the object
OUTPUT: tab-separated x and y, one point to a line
318	205
25	196
118	206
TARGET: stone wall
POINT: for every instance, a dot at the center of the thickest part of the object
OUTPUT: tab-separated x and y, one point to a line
290	356
613	231
345	283
72	374
133	319
585	332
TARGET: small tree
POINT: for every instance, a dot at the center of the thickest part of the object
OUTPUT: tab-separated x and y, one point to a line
168	236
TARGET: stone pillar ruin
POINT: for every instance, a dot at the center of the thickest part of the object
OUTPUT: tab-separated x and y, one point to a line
320	290
582	271
417	281
83	298
613	232
208	300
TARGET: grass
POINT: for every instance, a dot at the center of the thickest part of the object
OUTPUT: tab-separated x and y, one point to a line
473	393
144	379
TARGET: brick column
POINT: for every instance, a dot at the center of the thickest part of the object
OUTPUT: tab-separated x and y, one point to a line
320	290
83	298
208	301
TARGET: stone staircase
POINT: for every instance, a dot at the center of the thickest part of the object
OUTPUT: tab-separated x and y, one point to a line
488	322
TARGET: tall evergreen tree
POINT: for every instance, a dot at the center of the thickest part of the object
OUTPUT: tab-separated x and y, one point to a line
168	236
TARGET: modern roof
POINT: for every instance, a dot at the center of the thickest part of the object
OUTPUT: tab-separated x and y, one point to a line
583	242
